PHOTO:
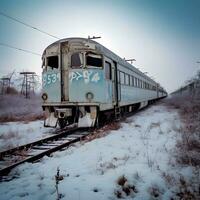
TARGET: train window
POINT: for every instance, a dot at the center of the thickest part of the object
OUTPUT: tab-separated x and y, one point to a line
122	77
127	79
135	82
52	61
131	80
139	83
108	70
76	59
118	76
93	60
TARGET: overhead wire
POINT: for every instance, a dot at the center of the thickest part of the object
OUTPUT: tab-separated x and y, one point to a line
28	25
19	49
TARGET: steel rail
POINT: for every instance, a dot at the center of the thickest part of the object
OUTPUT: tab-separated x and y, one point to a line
38	149
58	134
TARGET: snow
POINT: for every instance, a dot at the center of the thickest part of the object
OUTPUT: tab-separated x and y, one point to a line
13	134
141	150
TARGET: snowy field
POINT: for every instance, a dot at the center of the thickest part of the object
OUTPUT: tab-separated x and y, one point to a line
13	134
136	161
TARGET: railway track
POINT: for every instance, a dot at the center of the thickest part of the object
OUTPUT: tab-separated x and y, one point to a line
35	150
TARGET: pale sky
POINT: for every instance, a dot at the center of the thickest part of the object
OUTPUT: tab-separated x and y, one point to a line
162	35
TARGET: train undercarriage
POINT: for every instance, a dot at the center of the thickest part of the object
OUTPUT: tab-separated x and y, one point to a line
86	116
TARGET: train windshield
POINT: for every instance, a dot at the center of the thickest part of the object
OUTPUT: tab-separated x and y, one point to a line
77	60
93	60
52	62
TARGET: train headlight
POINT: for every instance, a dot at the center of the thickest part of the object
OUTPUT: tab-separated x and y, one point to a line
89	95
44	96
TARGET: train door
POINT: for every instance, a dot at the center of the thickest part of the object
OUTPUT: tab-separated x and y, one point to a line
116	86
109	80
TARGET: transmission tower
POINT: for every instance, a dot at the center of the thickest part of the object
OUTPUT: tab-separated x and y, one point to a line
28	84
5	83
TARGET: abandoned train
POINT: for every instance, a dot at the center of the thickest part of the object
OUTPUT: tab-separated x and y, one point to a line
84	81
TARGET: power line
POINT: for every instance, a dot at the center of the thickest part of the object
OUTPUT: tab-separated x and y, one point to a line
28	25
24	50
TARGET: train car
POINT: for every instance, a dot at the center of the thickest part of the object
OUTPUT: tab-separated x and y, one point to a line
84	81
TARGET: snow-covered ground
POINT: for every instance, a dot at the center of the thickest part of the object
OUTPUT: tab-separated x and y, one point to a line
13	134
142	151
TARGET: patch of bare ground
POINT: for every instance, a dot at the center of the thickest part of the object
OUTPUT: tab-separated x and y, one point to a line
102	132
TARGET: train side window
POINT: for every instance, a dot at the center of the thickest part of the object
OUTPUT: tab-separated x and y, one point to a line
93	60
52	62
135	82
122	77
131	81
108	71
76	60
118	76
127	79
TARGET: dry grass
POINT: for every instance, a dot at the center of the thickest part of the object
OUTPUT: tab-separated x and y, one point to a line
125	189
17	108
102	132
189	145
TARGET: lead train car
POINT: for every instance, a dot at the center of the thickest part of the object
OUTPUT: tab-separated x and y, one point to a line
83	81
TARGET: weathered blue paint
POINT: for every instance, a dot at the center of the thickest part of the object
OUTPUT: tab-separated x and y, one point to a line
82	81
51	85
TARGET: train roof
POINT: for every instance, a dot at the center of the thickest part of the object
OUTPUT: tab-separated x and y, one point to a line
102	50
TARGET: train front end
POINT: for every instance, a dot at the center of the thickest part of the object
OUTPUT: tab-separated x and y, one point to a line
74	86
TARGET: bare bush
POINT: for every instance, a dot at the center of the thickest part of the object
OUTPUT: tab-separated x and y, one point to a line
125	189
11	91
17	108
